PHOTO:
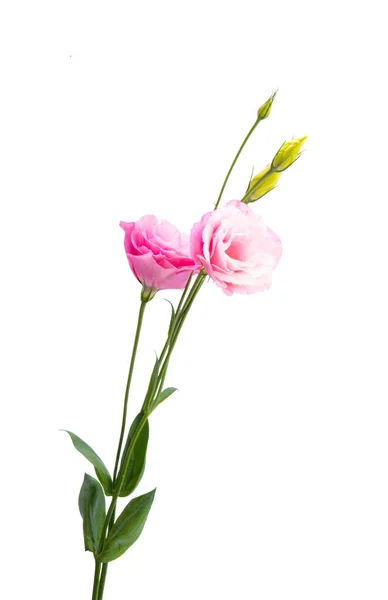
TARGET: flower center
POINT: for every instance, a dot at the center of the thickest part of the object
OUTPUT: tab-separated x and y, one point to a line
235	250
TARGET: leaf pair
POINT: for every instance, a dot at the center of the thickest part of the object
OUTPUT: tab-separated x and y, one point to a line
130	523
125	531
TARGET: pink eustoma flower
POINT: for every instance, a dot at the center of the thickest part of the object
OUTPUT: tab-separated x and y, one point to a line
236	249
158	254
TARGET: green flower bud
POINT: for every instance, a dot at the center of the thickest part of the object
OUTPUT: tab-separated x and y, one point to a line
287	154
266	180
265	109
261	184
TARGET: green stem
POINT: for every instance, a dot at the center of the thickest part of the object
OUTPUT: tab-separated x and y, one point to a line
110	517
178	326
252	129
184	293
170	333
102	581
104	569
122	432
129	380
96	580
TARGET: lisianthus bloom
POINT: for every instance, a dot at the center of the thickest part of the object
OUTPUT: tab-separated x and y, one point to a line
158	254
236	249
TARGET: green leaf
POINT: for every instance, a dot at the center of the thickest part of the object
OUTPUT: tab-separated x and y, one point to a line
138	458
91	504
163	396
151	385
154	375
172	320
101	470
127	528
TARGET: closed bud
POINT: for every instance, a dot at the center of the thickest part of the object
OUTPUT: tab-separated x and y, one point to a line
265	109
261	184
287	154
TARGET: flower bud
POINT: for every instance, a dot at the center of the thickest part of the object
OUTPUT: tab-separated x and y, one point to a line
265	109
288	153
261	184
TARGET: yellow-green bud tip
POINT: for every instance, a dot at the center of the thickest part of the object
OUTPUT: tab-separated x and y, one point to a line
287	154
265	108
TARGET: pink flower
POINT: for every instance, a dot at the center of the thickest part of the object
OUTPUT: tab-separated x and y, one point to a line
158	254
235	247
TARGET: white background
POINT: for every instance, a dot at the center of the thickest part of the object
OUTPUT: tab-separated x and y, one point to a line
271	462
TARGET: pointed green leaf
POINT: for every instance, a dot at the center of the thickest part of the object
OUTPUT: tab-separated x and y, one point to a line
127	528
172	320
154	374
163	396
88	452
151	385
91	504
138	457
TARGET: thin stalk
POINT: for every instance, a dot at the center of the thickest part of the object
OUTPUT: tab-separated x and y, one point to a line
252	129
129	380
187	286
122	431
96	579
182	316
102	581
177	315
